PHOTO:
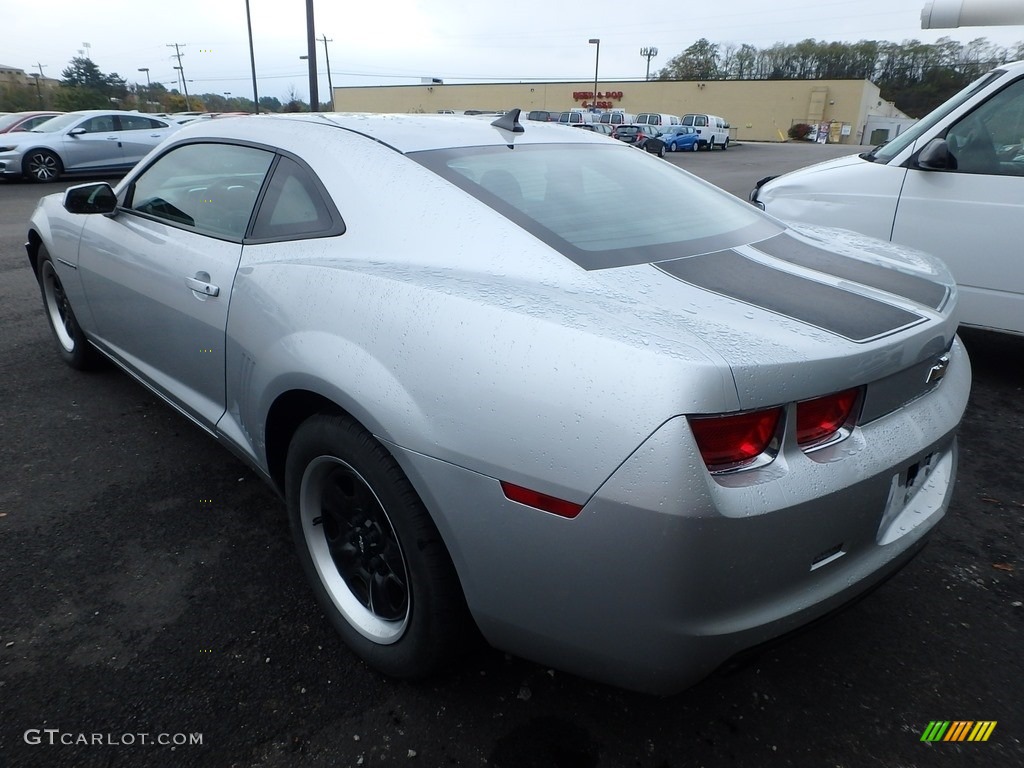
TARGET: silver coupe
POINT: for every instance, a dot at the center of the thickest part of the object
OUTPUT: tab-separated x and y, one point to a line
501	393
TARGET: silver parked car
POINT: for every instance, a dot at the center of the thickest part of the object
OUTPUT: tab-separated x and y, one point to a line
89	141
525	401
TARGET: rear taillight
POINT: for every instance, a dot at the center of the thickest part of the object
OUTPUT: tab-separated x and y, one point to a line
728	442
735	440
821	419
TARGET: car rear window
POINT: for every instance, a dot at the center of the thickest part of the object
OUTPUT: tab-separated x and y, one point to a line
581	200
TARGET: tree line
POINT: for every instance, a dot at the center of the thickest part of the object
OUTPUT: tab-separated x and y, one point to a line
84	86
915	76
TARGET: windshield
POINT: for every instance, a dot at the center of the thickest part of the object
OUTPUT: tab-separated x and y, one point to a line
581	200
889	150
59	123
6	121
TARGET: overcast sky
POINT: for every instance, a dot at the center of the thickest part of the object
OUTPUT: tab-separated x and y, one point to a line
400	41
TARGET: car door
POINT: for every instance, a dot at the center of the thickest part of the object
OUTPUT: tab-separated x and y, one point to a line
139	134
972	215
158	274
95	142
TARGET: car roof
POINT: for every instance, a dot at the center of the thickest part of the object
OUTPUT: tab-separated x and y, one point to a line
405	133
92	112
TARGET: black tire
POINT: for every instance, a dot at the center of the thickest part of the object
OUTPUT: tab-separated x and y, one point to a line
696	146
72	345
725	145
661	150
41	166
371	552
711	144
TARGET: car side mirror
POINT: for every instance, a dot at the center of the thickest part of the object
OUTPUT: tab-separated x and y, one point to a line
77	131
90	198
935	156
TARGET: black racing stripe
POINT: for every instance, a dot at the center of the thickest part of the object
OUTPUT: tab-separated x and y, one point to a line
847	314
919	289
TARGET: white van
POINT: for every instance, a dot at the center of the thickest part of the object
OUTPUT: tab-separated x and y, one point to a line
617	117
656	118
951	185
575	117
712	130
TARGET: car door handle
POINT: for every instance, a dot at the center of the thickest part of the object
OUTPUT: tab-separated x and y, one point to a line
199	284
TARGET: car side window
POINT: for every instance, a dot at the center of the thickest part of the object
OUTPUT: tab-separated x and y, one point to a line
990	140
210	187
138	123
294	206
99	124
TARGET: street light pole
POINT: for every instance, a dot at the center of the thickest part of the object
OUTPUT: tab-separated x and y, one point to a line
597	61
648	53
148	87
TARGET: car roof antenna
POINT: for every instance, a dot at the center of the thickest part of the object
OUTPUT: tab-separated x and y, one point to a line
510	121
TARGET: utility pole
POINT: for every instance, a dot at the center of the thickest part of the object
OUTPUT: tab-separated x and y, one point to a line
39	93
327	58
314	96
38	80
177	52
252	59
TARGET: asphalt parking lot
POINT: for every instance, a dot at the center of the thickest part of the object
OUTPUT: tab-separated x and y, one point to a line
151	599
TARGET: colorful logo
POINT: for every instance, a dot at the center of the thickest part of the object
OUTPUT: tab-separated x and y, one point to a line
958	730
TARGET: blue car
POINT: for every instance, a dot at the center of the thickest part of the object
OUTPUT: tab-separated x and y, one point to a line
680	137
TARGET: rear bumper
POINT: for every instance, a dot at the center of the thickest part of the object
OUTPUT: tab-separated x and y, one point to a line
668	572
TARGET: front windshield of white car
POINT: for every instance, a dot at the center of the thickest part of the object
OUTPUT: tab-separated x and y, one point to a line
889	150
58	123
582	200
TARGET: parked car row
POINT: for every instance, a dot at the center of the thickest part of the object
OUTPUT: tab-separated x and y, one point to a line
711	131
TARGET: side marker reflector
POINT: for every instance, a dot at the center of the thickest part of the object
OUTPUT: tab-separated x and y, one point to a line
540	501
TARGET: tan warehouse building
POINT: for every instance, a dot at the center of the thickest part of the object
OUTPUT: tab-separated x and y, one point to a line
757	110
